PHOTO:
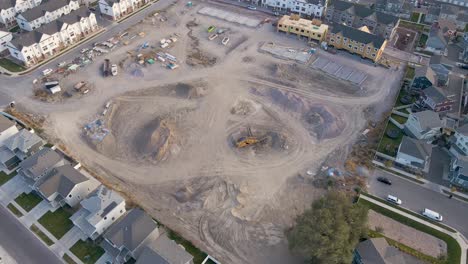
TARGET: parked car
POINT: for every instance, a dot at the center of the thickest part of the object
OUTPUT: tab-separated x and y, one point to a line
114	69
432	215
47	72
211	29
393	199
276	13
384	180
250	7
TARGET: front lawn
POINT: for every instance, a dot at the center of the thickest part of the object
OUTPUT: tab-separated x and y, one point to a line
453	248
41	235
409	73
414	17
389	146
399	119
11	66
28	201
67	259
6	177
87	251
422	40
57	223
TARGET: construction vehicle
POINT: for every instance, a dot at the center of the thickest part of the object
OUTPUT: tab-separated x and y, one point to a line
106	68
249	140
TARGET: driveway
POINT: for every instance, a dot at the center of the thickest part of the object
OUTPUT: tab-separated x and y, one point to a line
14	187
416	197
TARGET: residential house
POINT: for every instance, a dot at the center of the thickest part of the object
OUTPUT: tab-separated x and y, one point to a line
10	8
464	53
462	20
436	42
459	141
127	238
66	185
311	8
117	9
45	13
24	143
424	125
435	99
448	12
356	41
38	165
433	13
415	154
310	29
7	129
458	174
378	251
390	6
99	211
5	38
8	159
164	251
358	16
40	44
462	3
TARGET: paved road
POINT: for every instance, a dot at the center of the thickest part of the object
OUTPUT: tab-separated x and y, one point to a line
416	198
21	244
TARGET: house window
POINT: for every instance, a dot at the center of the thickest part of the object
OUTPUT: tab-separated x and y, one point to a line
105	217
373	54
113	218
349	46
121	211
318	35
69	195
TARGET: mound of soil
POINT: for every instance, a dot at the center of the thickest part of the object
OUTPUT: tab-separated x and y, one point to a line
154	139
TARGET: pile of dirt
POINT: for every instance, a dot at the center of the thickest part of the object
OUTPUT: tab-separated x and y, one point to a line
244	107
154	139
248	59
267	140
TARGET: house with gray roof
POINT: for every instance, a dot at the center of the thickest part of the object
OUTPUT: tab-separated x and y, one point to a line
38	165
66	185
7	129
45	13
99	211
436	42
127	238
459	141
164	251
378	251
10	8
424	125
357	16
116	9
458	174
436	99
24	143
415	154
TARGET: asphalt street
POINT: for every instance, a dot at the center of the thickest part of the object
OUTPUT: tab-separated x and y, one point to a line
21	244
416	197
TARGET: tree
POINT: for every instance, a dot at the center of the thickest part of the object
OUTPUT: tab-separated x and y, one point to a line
329	231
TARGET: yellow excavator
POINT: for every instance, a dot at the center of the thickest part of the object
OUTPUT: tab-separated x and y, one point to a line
248	140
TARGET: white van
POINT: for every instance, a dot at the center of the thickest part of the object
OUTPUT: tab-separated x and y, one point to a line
393	199
432	215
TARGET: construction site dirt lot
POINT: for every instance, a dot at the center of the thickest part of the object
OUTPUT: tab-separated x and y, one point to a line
168	138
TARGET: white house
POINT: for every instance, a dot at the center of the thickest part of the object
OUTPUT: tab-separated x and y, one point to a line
313	8
37	45
5	38
414	153
7	129
66	185
45	13
99	211
116	9
24	143
10	8
460	141
459	172
424	125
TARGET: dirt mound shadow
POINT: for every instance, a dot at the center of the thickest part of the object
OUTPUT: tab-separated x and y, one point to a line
153	139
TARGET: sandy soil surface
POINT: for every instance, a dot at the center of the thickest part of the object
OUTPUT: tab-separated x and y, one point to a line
409	236
171	142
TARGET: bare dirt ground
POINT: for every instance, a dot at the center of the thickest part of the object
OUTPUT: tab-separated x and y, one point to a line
406	235
171	134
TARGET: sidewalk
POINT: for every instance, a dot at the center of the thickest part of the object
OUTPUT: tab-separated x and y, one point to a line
457	236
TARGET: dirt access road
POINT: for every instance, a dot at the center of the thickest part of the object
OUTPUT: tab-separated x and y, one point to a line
171	141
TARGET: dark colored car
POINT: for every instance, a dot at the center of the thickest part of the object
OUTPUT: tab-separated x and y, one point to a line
384	180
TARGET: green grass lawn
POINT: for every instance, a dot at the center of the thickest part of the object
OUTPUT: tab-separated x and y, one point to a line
28	201
453	248
414	17
11	66
14	210
48	145
422	40
57	223
6	177
41	235
409	73
198	255
399	119
407	249
389	146
68	260
15	29
412	25
87	251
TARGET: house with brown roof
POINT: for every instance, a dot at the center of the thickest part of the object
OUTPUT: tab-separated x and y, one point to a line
378	251
38	165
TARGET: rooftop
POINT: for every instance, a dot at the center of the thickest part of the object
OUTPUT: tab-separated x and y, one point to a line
40	162
40	10
358	35
28	39
428	119
6	4
62	181
303	23
377	251
416	148
100	203
364	12
5	123
75	16
23	141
